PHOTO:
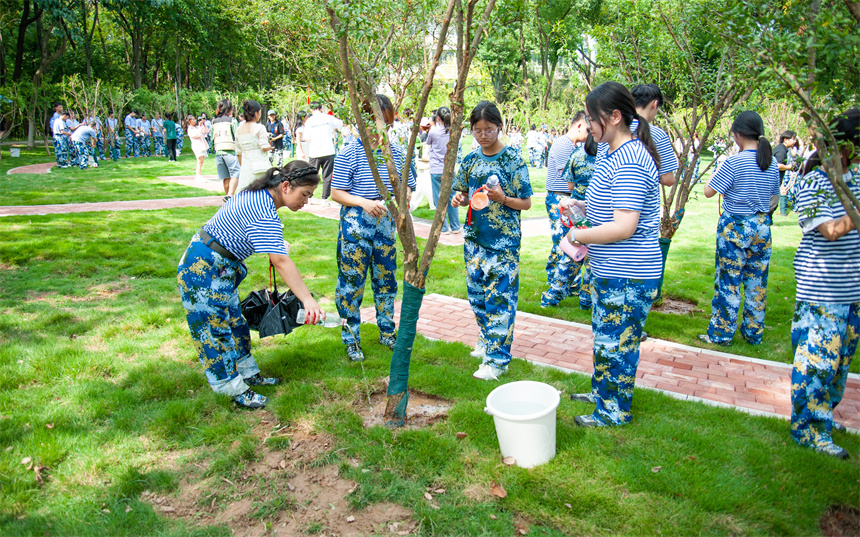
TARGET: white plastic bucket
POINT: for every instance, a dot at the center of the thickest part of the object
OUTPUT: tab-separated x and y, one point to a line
524	413
14	152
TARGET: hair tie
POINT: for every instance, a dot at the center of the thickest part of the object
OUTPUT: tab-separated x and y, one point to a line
276	172
761	136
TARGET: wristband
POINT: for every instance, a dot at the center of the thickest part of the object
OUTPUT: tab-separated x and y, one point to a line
505	202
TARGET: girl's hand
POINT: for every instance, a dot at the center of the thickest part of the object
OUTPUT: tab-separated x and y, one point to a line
313	312
567	207
374	208
458	200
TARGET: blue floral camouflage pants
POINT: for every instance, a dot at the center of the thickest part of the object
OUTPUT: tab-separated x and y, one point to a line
207	284
621	307
61	151
561	270
742	258
493	286
145	142
100	145
179	145
534	157
131	148
365	242
82	151
159	146
824	338
585	287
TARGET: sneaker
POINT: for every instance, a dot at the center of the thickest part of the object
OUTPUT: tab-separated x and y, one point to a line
707	339
548	300
588	421
353	352
260	380
838	427
644	336
584	305
226	199
457	231
833	450
584	397
250	400
489	371
479	352
388	341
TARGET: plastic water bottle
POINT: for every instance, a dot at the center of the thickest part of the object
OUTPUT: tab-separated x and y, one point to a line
332	320
492	182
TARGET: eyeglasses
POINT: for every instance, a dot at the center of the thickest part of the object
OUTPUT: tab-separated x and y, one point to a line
589	119
485	134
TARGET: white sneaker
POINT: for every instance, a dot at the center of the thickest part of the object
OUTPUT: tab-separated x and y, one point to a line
489	372
479	352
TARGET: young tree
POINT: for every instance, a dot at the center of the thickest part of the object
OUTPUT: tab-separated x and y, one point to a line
351	22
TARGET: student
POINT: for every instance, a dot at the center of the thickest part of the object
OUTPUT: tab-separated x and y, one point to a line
560	268
437	147
61	139
785	162
212	268
622	204
649	99
197	133
492	239
112	124
826	323
158	134
276	137
516	141
84	138
144	127
170	129
577	174
747	181
130	123
367	237
533	146
227	166
319	131
100	140
252	144
180	134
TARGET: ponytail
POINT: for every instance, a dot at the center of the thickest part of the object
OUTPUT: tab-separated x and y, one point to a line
590	145
749	125
643	132
764	153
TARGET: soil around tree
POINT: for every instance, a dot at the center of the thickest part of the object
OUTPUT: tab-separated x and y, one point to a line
840	521
677	306
423	409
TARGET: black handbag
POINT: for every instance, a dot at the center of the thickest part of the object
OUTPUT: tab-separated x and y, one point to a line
271	313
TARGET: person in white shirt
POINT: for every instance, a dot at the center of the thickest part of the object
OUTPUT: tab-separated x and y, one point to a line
61	139
319	132
84	139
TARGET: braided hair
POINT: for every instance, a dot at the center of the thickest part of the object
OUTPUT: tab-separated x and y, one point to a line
296	173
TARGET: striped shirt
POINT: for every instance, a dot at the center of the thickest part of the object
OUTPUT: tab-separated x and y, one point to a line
826	271
353	174
662	142
247	224
745	188
628	180
578	171
557	159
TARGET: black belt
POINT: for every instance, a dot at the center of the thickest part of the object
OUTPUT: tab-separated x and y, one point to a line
559	193
210	241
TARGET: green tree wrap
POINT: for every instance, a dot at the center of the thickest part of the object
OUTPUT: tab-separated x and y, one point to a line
664	250
399	374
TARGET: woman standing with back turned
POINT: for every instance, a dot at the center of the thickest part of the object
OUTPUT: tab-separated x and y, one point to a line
747	181
622	203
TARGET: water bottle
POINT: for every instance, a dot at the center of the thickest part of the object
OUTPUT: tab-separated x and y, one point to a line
332	320
492	182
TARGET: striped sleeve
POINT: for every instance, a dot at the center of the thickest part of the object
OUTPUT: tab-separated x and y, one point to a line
668	160
723	179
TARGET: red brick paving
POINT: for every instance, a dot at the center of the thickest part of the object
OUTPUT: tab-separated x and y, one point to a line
44	167
688	373
138	205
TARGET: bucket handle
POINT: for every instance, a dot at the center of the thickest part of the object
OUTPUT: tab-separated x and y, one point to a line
487	411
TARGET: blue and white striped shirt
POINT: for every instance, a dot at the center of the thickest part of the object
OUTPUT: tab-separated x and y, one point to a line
247	224
557	159
353	174
745	188
626	178
826	271
662	142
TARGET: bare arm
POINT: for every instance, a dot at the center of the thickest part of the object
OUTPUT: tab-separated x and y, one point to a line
288	272
667	179
837	228
710	192
517	204
622	227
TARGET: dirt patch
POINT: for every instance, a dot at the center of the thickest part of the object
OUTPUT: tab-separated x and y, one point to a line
677	307
840	521
422	410
285	492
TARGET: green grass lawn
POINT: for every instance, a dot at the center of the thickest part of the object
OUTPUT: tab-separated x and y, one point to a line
100	385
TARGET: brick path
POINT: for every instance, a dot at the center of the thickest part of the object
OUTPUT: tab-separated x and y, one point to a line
45	167
689	373
138	205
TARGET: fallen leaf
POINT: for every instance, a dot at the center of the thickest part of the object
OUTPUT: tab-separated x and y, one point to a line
656	469
568	506
49	425
106	511
523	531
350	518
224	479
128	509
282	464
212	505
510	461
493	517
439	491
38	470
461	435
434	506
498	490
427	496
26	460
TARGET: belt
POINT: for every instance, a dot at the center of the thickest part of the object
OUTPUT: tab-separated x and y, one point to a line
559	193
210	241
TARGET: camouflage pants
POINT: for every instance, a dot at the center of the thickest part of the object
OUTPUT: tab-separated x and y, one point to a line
207	284
61	151
561	270
743	255
493	285
100	145
365	242
276	157
824	338
145	142
179	145
621	308
159	146
82	154
585	287
131	148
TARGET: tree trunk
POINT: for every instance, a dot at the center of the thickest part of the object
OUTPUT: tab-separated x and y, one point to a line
549	80
525	58
26	21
